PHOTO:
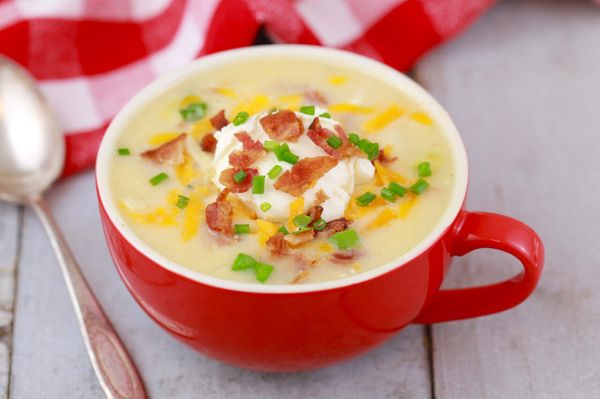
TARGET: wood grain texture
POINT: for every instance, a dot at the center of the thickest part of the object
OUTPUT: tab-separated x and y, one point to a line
9	246
50	358
523	86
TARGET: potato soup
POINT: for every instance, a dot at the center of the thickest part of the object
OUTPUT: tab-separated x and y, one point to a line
282	171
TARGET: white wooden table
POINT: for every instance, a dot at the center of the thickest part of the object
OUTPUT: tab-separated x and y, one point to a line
523	85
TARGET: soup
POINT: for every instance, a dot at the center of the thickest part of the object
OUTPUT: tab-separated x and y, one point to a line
282	171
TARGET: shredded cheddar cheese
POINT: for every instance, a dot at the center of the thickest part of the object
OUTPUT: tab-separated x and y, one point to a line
338	80
325	247
421	118
291	101
241	209
187	100
161	138
160	216
224	91
350	108
385	175
265	230
384	217
354	211
186	172
193	214
406	206
200	128
383	119
296	208
256	104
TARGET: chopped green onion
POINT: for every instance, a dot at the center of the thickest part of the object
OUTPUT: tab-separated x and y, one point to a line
270	145
274	172
388	195
334	142
308	109
365	199
193	111
319	225
419	187
258	184
325	115
241	228
302	220
124	151
369	148
354	138
182	201
345	239
397	189
240	118
263	271
265	206
243	262
159	178
424	169
283	230
284	153
240	176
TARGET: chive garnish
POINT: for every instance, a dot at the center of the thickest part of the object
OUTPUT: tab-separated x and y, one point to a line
319	225
308	109
240	176
354	138
302	220
258	184
284	153
270	145
263	271
397	189
241	228
265	206
424	169
369	148
283	230
274	172
388	195
193	111
365	199
159	178
334	142
123	151
182	201
345	239
325	115
419	187
240	118
243	262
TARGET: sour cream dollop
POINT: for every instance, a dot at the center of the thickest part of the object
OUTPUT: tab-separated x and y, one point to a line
338	183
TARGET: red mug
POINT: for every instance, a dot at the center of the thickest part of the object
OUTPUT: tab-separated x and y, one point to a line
307	326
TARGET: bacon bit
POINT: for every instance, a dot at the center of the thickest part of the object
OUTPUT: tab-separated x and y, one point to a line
335	226
344	257
251	152
315	213
302	274
304	174
319	135
283	125
278	246
297	239
320	198
384	158
219	214
219	121
315	96
226	179
208	142
170	152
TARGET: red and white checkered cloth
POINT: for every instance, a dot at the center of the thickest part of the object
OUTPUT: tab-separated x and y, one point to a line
91	56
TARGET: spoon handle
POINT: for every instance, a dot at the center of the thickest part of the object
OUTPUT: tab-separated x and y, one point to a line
114	368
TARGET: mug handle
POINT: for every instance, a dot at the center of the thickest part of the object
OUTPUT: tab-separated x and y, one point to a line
489	230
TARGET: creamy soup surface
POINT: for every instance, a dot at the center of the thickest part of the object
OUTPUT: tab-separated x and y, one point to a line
306	207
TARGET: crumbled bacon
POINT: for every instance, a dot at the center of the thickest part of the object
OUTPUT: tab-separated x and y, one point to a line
315	213
283	125
344	257
170	152
304	174
315	96
219	121
278	246
335	226
319	135
219	214
320	198
384	158
208	143
226	179
297	239
250	153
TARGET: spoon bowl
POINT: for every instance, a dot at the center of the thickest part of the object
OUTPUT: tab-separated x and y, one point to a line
32	148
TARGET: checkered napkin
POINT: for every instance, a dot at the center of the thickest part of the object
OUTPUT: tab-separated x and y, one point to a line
91	56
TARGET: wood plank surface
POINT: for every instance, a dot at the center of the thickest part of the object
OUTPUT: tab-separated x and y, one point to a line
523	86
50	360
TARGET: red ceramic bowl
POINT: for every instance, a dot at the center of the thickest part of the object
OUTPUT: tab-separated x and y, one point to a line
306	326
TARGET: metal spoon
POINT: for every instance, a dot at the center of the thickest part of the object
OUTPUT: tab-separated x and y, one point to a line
32	153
